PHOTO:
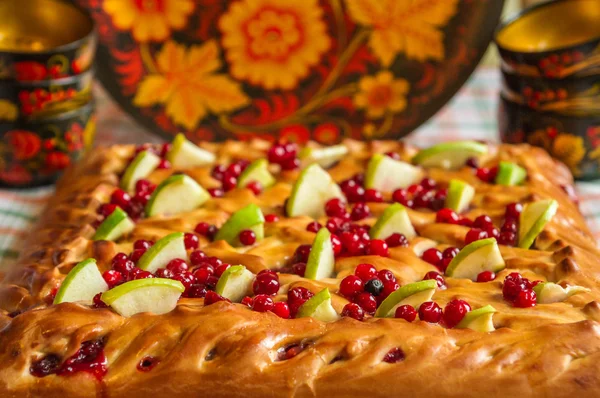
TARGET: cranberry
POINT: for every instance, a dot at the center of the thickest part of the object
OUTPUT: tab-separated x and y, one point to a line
447	216
365	271
216	192
424	200
255	186
203	273
335	225
163	273
281	309
299	269
349	238
214	261
415	189
266	283
509	226
441	282
112	278
355	193
107	209
512	287
212	297
482	222
378	247
455	311
487	174
197	257
313	226
507	238
218	172
229	182
450	252
492	232
164	164
465	222
396	239
472	163
486	276
475	234
122	263
291	164
137	273
360	211
525	298
394	355
355	248
400	196
262	303
191	241
204	229
97	301
406	312
234	169
430	312
374	286
336	244
373	195
142	244
444	264
247	301
45	366
271	218
186	278
393	155
359	178
335	208
350	286
177	266
120	198
196	291
385	275
301	253
367	301
433	256
353	310
137	254
513	211
388	288
428	183
439	199
280	153
219	269
296	297
247	237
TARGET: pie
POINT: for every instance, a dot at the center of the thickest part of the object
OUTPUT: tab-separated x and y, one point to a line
253	269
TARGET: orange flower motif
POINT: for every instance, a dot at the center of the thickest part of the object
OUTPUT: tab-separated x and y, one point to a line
401	26
274	43
149	20
186	84
381	94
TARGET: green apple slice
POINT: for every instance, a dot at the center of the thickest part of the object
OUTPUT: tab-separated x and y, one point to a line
476	257
184	154
533	219
414	294
311	191
386	174
460	195
82	283
162	252
450	155
155	295
319	307
324	157
480	320
177	194
142	165
321	260
257	171
510	174
249	217
549	292
234	283
393	220
114	226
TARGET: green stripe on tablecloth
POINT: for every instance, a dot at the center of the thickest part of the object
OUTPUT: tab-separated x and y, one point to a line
7	253
18	214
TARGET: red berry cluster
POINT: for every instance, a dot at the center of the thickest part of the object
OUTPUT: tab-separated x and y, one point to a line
487	174
285	155
483	228
519	290
134	206
424	195
449	216
510	227
439	259
159	150
355	192
207	230
337	208
228	177
552	66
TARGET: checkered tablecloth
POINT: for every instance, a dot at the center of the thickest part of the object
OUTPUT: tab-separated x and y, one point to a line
470	115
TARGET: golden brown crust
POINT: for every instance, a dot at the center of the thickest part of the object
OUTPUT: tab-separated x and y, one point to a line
225	350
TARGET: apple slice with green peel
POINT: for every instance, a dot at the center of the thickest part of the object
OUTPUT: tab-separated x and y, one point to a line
460	195
311	191
257	171
142	165
450	155
114	226
319	307
510	174
162	252
476	257
386	174
321	260
155	295
184	154
533	219
235	283
549	292
81	284
324	157
177	194
249	217
413	294
393	220
479	320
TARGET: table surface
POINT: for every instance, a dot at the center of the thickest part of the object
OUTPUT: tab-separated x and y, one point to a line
470	115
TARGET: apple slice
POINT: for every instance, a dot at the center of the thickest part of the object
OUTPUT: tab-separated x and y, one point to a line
249	217
257	171
114	226
450	155
476	257
140	167
549	292
177	194
82	283
460	195
533	219
324	157
393	220
162	252
311	191
319	307
386	174
479	320
321	260
155	295
414	294
184	154
510	174
234	283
